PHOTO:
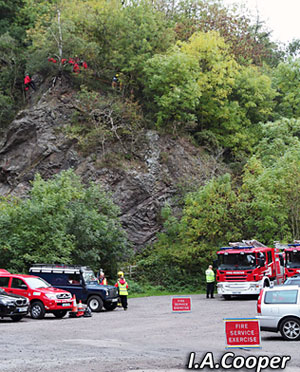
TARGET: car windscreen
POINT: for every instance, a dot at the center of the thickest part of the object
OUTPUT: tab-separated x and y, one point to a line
240	261
35	283
89	277
292	282
281	297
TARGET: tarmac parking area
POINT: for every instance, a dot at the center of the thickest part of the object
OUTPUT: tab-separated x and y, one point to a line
148	337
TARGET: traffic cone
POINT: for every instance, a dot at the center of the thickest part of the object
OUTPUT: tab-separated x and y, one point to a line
80	311
75	308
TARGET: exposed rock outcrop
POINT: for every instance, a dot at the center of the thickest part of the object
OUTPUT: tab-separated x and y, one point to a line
160	166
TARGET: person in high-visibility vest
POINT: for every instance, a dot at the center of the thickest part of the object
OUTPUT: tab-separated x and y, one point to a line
101	278
210	282
122	286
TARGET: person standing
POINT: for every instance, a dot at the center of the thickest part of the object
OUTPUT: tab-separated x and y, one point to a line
210	282
101	278
123	291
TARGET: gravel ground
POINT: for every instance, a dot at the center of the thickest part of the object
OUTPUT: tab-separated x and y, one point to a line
148	337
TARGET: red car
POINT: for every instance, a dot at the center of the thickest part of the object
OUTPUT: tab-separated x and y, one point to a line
42	296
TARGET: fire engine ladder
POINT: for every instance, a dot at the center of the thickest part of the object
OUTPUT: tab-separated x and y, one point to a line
248	243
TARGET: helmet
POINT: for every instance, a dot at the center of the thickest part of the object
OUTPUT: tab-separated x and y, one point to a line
120	274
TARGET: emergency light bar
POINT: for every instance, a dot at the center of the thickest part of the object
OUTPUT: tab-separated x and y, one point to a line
293	245
243	247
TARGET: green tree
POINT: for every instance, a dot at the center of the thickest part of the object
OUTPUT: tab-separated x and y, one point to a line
189	244
171	81
61	222
249	40
286	80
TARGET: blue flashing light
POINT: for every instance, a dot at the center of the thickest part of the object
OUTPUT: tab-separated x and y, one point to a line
293	245
225	248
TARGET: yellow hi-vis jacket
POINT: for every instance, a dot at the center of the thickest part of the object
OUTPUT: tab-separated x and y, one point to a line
210	276
122	288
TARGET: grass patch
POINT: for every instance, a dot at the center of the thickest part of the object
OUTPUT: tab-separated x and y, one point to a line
138	290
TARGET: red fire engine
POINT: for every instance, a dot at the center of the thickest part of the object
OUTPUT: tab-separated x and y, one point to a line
244	268
292	258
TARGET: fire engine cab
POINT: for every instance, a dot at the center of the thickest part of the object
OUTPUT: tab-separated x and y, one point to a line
244	268
292	256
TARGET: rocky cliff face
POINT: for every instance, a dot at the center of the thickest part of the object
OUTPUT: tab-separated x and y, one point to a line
159	168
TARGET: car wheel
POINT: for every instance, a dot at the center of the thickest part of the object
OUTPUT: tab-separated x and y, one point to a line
37	310
227	297
95	303
109	306
60	313
290	329
16	318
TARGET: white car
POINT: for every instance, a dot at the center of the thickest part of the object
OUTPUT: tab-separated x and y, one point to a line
278	309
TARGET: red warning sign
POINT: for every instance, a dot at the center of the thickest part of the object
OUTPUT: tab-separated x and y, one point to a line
181	304
243	333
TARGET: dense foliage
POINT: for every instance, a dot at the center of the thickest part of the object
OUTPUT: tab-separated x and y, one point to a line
190	67
61	222
264	205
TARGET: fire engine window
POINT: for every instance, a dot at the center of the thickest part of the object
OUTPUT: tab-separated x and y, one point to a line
293	259
18	284
281	297
4	282
269	257
240	261
74	279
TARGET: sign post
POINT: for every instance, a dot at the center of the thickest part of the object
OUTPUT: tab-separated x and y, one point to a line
181	304
242	333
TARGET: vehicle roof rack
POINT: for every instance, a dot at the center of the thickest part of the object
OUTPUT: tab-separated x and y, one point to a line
58	268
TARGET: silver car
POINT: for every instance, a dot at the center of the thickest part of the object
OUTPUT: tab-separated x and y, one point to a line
278	309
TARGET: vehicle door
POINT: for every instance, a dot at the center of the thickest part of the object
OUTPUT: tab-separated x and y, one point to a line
19	287
279	303
279	267
74	285
4	283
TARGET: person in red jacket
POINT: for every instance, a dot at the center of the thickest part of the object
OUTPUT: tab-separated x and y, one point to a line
52	60
122	286
76	68
28	82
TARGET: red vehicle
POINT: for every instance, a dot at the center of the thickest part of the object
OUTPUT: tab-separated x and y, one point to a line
42	296
292	259
245	268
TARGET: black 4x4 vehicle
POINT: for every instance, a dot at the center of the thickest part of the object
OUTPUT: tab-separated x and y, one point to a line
81	282
13	306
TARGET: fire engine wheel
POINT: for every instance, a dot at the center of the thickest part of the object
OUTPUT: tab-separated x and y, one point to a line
59	313
290	329
37	310
110	306
95	303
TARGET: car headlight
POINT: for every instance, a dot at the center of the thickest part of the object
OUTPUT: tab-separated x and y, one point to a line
51	296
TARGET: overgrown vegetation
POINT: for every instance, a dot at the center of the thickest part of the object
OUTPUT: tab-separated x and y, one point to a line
192	68
61	222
